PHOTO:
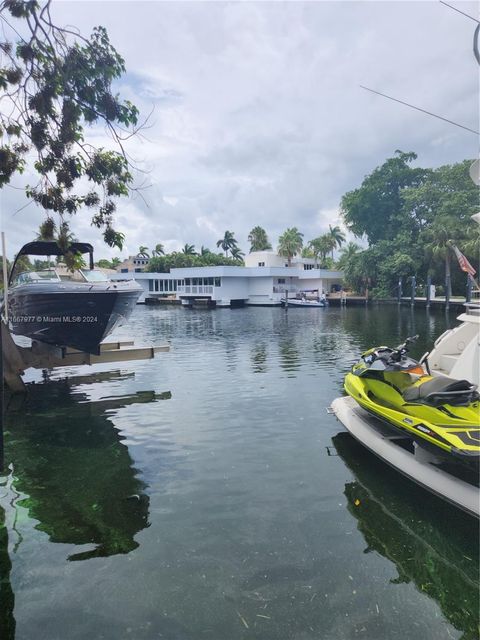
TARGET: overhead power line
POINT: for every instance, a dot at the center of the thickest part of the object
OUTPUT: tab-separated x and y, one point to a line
456	124
462	12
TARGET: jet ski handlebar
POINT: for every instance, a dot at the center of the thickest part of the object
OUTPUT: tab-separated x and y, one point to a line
402	349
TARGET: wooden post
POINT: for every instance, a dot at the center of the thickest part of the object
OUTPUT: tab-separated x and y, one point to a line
447	293
468	297
412	295
429	290
400	290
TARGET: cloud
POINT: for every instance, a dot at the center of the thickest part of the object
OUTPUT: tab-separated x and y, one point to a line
258	113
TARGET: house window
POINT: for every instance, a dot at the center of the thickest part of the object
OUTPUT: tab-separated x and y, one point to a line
261	264
187	282
281	281
138	270
218	282
150	285
123	270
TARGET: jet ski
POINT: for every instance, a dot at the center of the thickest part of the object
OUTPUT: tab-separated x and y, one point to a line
437	412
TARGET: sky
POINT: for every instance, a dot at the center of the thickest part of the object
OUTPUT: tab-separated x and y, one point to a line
257	114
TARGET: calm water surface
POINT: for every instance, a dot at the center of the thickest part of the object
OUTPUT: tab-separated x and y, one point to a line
208	494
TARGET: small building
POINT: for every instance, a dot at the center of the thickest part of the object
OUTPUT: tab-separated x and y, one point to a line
133	264
264	281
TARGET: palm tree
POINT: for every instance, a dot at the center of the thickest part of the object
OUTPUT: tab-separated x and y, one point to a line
237	253
439	246
337	235
259	239
347	253
189	250
158	251
46	231
290	243
321	246
228	242
143	252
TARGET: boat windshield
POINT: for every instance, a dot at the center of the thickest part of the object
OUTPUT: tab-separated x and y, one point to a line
91	275
49	275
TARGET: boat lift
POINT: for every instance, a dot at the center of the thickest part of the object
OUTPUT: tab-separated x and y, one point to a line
418	465
16	358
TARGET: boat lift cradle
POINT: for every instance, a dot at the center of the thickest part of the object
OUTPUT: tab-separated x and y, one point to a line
43	356
416	466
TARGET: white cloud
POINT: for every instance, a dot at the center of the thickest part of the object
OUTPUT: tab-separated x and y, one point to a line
259	117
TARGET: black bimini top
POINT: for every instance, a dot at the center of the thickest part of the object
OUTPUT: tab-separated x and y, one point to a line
51	248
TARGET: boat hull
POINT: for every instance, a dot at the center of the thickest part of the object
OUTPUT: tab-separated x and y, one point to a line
77	315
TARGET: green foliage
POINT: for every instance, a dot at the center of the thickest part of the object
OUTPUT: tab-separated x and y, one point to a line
178	259
228	242
376	208
413	232
55	83
290	243
259	240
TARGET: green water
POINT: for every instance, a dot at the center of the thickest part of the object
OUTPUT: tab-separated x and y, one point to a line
208	494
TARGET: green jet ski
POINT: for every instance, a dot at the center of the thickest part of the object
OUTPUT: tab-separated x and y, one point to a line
440	411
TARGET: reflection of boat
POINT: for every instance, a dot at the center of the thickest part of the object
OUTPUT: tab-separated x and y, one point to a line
77	310
415	535
76	474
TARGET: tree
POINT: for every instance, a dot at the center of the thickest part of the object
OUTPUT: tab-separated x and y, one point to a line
347	253
237	254
259	240
55	84
321	246
337	236
376	208
158	251
143	252
290	243
189	250
228	242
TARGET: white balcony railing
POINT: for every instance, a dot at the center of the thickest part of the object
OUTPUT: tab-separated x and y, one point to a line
194	289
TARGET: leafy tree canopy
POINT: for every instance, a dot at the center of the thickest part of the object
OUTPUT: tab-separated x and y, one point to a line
375	208
55	84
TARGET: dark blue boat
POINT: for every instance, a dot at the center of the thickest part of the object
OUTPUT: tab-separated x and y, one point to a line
76	310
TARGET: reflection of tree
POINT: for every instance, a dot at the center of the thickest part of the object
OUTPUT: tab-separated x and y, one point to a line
77	474
7	598
289	354
416	535
259	358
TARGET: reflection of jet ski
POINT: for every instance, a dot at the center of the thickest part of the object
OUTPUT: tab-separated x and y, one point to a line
432	410
415	535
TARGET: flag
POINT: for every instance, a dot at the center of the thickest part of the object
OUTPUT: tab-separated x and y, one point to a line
463	262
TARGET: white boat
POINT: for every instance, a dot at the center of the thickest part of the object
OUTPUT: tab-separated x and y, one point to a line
456	353
303	302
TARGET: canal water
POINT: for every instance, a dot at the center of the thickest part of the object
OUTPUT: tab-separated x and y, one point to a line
208	494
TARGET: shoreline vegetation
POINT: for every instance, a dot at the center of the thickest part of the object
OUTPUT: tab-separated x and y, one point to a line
409	217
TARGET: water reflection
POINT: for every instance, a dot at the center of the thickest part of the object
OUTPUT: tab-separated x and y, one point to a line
259	358
412	529
7	597
78	477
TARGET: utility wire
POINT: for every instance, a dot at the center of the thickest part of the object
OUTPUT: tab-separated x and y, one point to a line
462	12
422	110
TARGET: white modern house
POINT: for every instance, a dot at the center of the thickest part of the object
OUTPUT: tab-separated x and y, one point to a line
265	279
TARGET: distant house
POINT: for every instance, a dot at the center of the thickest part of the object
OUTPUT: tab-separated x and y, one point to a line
265	279
133	264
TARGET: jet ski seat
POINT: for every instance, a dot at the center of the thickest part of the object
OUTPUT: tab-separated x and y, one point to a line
442	390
